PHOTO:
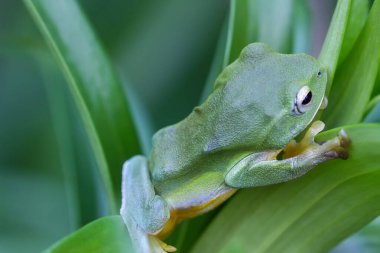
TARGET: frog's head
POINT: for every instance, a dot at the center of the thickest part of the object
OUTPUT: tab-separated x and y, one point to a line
281	92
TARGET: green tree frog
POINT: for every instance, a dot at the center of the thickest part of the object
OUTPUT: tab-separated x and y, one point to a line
241	136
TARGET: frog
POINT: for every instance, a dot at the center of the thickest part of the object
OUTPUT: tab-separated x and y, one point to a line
242	136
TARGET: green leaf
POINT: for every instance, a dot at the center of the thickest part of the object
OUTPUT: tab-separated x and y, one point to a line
76	159
376	88
275	21
356	20
97	92
261	21
332	45
221	56
239	29
356	76
58	106
108	234
314	212
243	27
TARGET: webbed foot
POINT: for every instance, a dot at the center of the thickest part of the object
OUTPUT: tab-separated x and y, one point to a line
144	212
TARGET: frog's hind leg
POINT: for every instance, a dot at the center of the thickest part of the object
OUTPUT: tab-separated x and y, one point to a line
144	212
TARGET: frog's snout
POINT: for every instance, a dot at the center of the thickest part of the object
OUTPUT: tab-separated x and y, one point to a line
324	103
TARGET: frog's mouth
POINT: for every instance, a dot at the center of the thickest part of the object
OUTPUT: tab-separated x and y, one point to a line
324	103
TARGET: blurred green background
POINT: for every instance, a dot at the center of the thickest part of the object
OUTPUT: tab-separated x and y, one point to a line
42	139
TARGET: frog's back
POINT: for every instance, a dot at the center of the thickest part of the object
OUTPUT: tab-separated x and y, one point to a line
176	149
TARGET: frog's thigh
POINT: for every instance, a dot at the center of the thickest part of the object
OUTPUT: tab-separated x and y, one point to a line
144	212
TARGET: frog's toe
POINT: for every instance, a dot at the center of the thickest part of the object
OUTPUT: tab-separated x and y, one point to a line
336	147
167	247
295	148
313	130
335	154
156	245
345	141
343	154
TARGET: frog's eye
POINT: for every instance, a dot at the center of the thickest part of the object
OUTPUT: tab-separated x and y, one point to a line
302	100
319	74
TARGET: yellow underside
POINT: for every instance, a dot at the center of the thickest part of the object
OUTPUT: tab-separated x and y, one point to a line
177	215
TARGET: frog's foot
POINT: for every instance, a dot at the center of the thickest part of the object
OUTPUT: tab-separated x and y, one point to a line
331	149
144	212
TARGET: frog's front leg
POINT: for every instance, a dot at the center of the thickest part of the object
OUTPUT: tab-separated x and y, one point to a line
263	169
144	212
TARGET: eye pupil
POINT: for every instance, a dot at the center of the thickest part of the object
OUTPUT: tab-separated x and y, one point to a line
307	99
319	74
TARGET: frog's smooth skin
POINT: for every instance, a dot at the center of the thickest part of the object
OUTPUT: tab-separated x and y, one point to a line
259	104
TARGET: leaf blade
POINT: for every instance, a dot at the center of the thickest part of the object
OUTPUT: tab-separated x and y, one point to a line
98	94
107	234
355	23
355	78
332	45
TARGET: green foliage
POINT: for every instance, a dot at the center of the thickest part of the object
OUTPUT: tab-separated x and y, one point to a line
163	68
93	84
356	75
107	234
